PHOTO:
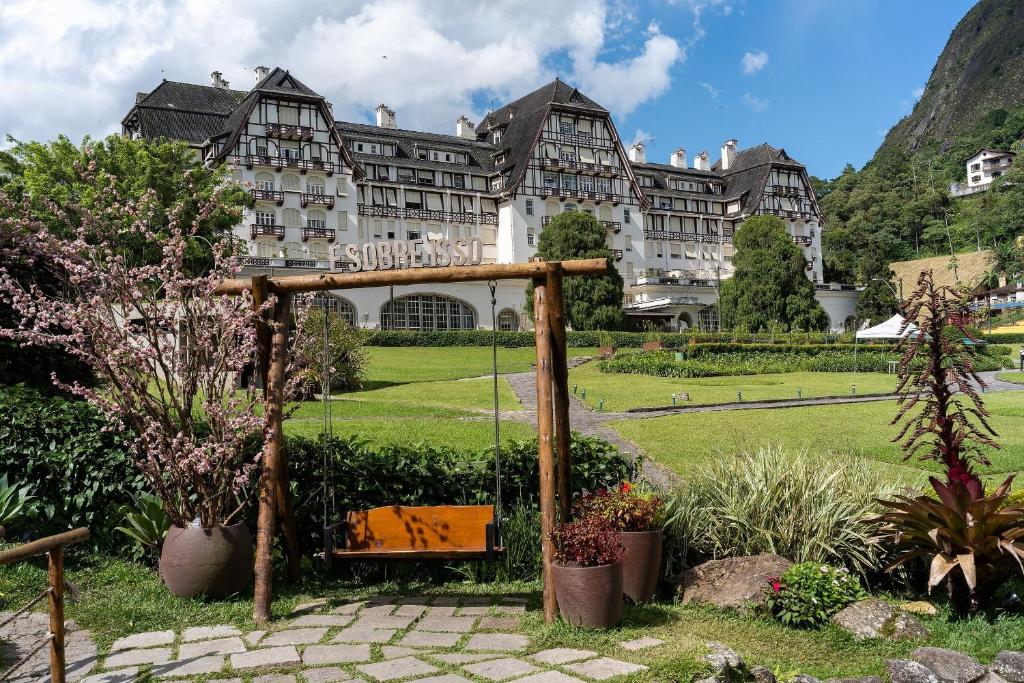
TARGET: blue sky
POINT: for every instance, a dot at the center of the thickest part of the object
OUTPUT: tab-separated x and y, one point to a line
823	78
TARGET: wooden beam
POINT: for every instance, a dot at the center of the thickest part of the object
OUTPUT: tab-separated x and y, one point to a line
56	604
545	454
272	461
560	375
42	546
412	276
260	293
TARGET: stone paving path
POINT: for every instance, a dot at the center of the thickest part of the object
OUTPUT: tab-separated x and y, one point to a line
19	638
441	639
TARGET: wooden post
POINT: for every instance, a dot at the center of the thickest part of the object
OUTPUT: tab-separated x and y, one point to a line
272	461
56	595
560	374
545	455
290	539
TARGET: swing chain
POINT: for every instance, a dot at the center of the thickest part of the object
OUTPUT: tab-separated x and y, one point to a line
493	286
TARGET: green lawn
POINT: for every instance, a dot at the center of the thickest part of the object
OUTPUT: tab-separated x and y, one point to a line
471	393
1015	376
621	392
401	365
685	442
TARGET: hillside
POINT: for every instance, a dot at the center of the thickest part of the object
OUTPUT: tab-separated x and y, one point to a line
980	69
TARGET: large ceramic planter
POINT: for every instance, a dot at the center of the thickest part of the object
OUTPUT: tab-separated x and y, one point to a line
589	596
207	562
641	562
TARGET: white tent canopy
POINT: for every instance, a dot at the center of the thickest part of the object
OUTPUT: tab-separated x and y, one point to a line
890	329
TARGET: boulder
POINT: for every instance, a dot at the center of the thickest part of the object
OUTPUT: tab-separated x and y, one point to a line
905	671
864	679
874	618
804	678
762	674
726	664
735	582
949	665
991	677
919	607
1009	665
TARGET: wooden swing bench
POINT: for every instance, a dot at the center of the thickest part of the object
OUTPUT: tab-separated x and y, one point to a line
399	532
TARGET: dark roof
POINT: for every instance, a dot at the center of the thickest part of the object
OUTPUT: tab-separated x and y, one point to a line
280	82
747	176
669	169
993	151
480	152
183	111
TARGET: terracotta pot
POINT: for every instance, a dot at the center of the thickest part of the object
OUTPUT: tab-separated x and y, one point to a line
606	351
209	562
651	346
641	563
589	596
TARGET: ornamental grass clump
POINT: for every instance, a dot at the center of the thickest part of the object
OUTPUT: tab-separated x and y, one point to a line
628	508
809	593
972	541
590	541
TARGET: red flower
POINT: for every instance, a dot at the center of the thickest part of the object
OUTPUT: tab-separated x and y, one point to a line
626	487
776	584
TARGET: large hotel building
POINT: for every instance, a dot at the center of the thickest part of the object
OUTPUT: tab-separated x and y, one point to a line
321	186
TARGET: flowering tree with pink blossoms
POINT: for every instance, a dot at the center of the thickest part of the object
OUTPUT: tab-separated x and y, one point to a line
164	347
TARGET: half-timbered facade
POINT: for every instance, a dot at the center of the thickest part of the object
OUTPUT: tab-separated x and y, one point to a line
319	185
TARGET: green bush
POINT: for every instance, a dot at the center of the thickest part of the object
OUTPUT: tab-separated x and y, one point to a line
801	507
809	593
80	473
1004	338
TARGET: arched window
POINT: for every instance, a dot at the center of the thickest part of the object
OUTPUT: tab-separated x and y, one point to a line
334	304
315	185
292	218
428	312
707	319
318	250
265	181
508	321
293	250
290	182
316	219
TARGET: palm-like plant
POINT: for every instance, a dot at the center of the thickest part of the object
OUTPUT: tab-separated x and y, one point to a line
972	539
14	501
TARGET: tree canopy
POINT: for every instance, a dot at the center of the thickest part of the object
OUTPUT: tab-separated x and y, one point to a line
591	303
770	285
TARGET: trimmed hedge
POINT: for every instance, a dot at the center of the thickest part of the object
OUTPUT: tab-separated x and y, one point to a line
1004	338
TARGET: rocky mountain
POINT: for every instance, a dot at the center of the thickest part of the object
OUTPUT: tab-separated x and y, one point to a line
981	69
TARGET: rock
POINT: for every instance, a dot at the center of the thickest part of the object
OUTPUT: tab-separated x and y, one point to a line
804	678
919	607
724	662
865	679
734	582
1009	665
762	674
991	677
949	665
905	671
874	618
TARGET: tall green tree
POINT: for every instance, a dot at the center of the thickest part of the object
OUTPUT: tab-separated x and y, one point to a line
770	285
591	303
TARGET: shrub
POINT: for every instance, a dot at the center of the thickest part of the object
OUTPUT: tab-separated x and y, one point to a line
586	542
347	359
808	594
627	507
801	506
15	501
147	524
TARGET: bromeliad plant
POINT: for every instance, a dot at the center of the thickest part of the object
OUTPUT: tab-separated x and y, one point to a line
627	508
973	540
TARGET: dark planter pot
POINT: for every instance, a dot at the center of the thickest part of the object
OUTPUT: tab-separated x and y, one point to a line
641	563
589	596
207	562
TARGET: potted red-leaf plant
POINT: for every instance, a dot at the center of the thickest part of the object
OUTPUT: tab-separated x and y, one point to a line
638	515
588	572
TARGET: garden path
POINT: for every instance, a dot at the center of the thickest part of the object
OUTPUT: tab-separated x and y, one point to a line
439	639
22	635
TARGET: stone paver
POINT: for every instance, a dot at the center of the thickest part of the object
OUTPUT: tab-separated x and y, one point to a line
364	635
194	633
336	654
270	656
20	636
147	639
295	636
411	610
397	668
501	669
312	606
219	646
549	677
428	639
497	642
474	610
151	655
330	620
446	624
562	655
394	652
604	668
253	637
641	643
510	609
500	623
275	678
348	608
464	657
189	667
119	676
442	611
382	621
446	678
378	610
445	601
331	674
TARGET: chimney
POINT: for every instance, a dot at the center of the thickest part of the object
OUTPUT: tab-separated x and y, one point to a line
728	154
217	80
701	162
261	73
678	158
386	117
465	129
638	153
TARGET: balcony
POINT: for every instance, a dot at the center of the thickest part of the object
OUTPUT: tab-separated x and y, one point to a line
264	229
803	240
810	265
671	281
278	163
316	198
617	254
305	263
261	195
318	233
416	213
277	262
786	191
613	227
577	139
835	287
686	237
786	213
289	132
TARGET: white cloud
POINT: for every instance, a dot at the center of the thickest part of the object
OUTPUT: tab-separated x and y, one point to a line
712	90
753	62
74	66
756	104
643	136
698	8
917	92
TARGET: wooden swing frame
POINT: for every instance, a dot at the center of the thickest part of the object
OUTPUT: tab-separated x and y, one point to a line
552	375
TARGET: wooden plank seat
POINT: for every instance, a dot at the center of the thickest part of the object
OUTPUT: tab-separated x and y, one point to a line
399	532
